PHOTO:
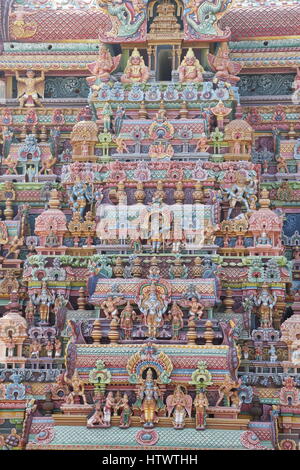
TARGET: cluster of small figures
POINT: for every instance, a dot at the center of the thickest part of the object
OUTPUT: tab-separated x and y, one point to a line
149	405
51	348
103	411
136	71
152	316
31	87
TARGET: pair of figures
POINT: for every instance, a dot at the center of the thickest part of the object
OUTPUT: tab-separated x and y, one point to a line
180	405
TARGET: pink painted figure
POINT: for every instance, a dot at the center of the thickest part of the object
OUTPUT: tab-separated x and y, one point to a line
136	70
190	69
103	67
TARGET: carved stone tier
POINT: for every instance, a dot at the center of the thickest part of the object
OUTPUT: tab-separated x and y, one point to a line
129	287
57	250
224	412
164	422
231	157
76	409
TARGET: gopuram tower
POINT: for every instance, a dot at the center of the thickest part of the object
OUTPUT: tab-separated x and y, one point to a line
149	232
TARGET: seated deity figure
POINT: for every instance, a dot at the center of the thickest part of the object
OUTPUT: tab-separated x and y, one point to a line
77	389
225	69
264	239
29	88
190	69
136	70
10	345
103	67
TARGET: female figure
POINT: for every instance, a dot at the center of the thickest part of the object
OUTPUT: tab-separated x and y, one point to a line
201	404
126	412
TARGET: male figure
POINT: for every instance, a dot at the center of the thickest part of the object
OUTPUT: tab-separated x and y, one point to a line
29	88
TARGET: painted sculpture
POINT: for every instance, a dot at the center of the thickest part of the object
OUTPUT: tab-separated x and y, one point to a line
30	88
149	231
136	70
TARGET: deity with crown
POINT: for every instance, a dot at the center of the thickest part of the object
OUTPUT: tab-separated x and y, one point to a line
136	70
226	70
149	400
190	69
103	67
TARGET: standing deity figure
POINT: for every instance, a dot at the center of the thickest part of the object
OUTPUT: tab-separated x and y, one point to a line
220	111
29	312
176	317
228	392
58	347
29	88
156	229
266	302
149	400
106	117
44	300
245	350
153	308
49	348
201	404
179	405
272	352
34	349
128	315
258	353
126	412
118	122
108	408
103	67
190	69
136	70
225	69
10	345
217	138
77	388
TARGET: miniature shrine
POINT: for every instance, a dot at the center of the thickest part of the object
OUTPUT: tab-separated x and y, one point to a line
150	225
